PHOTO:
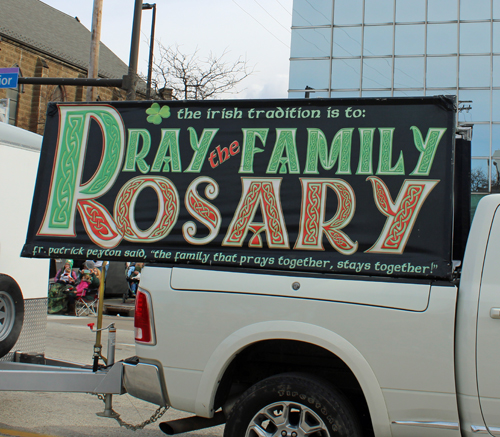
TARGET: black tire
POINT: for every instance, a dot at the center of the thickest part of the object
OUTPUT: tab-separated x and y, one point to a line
11	313
296	403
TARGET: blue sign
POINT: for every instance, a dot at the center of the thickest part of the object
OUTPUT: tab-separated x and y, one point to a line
8	77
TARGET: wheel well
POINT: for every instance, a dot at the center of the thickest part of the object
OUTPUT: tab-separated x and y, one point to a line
271	357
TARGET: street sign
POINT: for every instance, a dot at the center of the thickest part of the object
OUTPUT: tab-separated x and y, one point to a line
8	77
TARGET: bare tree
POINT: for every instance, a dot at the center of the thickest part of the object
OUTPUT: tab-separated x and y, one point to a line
191	77
479	180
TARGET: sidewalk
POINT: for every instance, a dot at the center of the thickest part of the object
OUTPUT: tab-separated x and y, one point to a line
116	306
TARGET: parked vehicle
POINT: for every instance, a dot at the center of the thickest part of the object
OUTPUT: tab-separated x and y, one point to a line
23	282
306	273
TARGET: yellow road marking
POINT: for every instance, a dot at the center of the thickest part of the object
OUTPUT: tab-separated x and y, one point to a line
16	433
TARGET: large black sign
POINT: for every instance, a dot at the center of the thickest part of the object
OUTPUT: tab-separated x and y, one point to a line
359	186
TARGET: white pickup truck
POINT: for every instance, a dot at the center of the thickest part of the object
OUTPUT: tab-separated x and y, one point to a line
305	356
306	272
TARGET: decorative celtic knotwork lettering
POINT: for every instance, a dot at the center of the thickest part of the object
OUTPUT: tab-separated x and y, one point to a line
403	217
167	215
263	192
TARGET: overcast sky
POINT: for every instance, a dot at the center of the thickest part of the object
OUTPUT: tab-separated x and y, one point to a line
256	30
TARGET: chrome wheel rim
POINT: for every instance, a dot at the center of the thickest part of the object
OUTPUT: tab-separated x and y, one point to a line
286	419
7	315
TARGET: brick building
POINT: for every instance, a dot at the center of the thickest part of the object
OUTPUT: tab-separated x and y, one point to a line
45	42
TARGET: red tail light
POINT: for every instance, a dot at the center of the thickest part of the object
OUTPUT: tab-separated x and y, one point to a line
143	320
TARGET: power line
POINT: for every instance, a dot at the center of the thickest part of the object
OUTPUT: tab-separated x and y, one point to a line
289	13
328	42
266	11
317	10
337	44
255	19
371	53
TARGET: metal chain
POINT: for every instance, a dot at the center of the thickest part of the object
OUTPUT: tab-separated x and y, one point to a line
154	417
101	397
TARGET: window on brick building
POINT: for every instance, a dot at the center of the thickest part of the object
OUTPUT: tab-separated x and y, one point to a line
53	93
13	97
57	94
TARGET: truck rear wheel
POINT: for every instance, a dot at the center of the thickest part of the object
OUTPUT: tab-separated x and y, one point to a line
292	405
11	313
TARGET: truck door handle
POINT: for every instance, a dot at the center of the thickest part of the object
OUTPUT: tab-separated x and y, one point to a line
495	313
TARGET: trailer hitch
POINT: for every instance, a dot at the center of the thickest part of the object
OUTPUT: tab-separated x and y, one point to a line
109	361
100	308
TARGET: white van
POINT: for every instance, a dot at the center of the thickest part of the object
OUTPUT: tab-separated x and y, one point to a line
23	282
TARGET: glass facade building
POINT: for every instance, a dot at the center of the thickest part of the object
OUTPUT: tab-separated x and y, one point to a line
382	48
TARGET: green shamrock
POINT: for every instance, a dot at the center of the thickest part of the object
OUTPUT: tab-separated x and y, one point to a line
156	114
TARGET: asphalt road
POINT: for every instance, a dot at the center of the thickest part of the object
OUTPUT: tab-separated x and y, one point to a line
26	414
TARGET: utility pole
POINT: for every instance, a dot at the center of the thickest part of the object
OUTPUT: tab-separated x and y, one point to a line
151	46
134	51
94	47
